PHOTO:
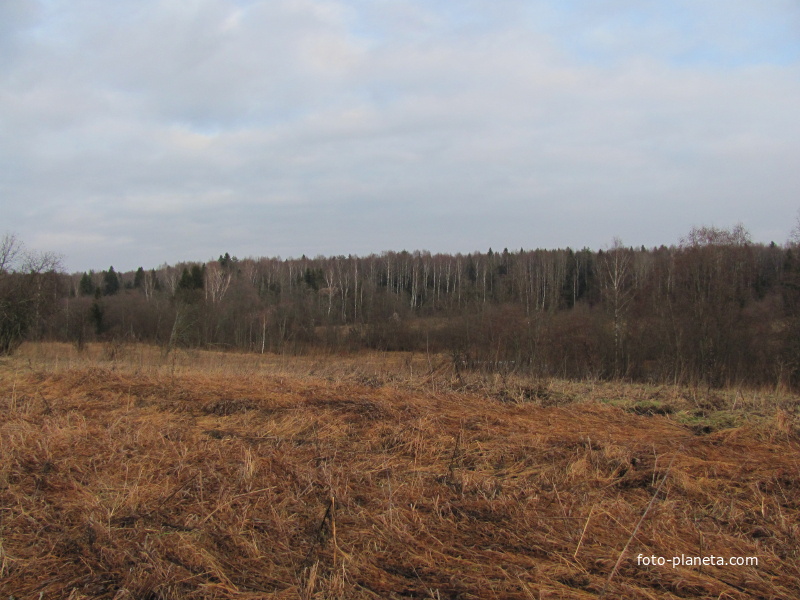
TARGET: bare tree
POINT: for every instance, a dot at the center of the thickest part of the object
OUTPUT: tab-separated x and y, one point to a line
714	236
218	279
170	276
794	236
28	290
10	249
330	281
149	284
615	275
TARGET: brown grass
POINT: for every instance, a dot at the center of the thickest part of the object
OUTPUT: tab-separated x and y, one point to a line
129	474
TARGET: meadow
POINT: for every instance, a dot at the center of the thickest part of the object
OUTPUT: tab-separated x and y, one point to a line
131	473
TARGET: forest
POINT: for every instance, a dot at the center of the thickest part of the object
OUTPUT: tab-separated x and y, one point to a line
714	309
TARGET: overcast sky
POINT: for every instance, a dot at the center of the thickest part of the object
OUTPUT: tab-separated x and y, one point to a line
138	132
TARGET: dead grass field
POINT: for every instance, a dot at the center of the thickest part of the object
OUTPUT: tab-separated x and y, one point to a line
127	474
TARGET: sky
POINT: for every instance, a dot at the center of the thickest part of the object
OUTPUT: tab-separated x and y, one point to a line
142	132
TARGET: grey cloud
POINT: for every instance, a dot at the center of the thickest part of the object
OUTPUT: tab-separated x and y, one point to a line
144	132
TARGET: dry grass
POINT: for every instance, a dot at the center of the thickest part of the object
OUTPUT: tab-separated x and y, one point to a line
128	474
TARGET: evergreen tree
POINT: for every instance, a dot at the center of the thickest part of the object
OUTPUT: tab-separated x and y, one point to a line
472	270
314	278
192	279
503	267
227	261
569	289
156	282
198	277
96	317
138	279
185	282
110	282
86	285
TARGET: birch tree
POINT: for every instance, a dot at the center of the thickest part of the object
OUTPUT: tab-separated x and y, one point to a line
217	282
615	274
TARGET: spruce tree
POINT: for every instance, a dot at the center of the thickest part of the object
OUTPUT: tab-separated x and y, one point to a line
198	277
96	317
110	282
86	285
185	282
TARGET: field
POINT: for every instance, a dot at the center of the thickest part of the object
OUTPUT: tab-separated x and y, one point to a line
129	474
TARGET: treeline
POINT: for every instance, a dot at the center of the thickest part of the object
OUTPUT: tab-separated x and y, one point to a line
714	310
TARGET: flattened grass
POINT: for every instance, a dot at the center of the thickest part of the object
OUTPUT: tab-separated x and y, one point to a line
206	475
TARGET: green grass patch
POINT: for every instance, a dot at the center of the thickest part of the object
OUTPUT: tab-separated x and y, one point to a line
703	422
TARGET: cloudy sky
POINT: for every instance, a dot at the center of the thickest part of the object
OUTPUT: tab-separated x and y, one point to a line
138	132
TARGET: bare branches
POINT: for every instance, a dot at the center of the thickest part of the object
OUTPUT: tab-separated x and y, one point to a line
10	249
794	236
218	280
615	275
714	236
44	262
27	290
15	258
